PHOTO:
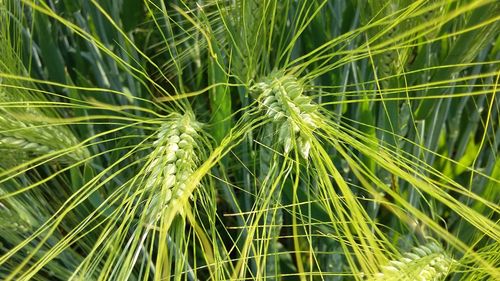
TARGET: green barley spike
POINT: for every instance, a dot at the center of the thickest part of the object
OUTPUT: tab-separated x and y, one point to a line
284	102
175	156
11	222
393	61
26	137
253	20
429	262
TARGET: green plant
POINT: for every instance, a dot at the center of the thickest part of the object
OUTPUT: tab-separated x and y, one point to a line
426	262
282	98
249	140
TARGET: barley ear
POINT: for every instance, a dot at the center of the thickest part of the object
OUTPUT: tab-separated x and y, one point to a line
293	114
428	262
23	136
176	156
11	222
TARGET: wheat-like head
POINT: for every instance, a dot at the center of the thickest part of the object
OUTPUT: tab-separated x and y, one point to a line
429	262
284	102
28	137
175	157
11	222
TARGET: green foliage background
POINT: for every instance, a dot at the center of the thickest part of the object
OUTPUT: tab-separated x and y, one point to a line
321	140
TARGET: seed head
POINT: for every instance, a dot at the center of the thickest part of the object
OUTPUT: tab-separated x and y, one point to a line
427	263
293	113
175	155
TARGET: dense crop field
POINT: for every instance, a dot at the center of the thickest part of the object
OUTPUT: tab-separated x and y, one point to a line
249	140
